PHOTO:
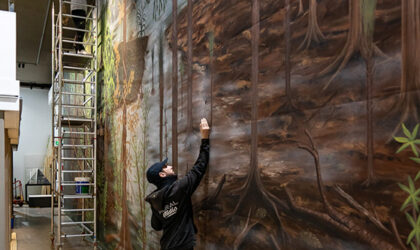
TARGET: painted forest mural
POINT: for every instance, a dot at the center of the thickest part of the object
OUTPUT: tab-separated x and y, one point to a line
313	106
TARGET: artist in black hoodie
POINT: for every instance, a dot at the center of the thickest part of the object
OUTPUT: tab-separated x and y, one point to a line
171	201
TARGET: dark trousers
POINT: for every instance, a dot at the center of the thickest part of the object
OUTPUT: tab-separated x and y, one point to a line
79	24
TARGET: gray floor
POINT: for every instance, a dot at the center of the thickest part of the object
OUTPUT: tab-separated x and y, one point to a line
32	227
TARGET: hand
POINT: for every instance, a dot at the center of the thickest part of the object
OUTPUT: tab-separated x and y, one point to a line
204	129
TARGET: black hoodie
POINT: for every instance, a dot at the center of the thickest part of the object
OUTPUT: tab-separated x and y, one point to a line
172	208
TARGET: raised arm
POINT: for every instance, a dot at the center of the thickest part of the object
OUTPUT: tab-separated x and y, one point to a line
192	179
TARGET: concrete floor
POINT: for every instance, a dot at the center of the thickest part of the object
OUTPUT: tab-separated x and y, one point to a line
32	227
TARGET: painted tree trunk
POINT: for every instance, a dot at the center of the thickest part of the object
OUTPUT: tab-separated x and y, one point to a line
181	87
300	12
211	48
313	32
287	54
166	135
410	53
107	169
354	43
254	84
253	187
175	86
143	174
153	70
125	238
368	8
161	88
189	69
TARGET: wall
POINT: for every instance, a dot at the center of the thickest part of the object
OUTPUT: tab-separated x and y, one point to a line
8	47
36	73
304	98
5	171
9	89
3	194
34	133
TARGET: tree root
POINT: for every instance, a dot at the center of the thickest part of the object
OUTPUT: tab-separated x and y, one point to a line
210	201
409	110
372	180
333	218
262	199
300	11
350	200
396	234
346	225
354	43
314	152
248	226
341	61
244	232
313	32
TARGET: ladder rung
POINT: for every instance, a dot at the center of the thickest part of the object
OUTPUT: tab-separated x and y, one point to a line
80	133
80	4
76	146
77	81
73	137
78	55
80	17
75	235
75	118
76	42
77	159
76	222
77	171
70	119
78	196
77	107
81	94
77	210
77	68
72	183
76	29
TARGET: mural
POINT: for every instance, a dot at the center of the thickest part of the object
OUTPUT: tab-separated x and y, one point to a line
306	100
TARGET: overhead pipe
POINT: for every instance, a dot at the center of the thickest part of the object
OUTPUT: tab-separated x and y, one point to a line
43	31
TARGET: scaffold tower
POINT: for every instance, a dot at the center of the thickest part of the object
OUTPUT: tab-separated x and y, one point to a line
74	113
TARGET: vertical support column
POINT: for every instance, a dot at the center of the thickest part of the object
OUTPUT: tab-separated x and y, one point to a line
94	120
60	134
4	211
52	189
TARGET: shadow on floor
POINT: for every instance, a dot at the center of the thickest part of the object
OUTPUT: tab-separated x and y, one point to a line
33	226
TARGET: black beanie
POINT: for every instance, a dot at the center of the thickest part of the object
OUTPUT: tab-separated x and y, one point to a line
153	173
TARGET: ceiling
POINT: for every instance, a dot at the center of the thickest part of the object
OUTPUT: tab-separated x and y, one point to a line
33	46
31	16
30	19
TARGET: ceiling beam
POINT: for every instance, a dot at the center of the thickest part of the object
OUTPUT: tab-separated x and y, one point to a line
35	85
47	11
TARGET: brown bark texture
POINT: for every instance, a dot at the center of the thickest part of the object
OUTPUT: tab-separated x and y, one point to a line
410	60
354	43
175	86
313	32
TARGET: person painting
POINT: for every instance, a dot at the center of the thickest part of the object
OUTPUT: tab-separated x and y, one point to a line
171	201
79	8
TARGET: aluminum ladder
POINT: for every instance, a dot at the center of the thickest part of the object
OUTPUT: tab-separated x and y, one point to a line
74	114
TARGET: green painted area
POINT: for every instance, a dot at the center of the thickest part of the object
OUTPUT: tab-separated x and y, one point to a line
367	8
